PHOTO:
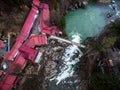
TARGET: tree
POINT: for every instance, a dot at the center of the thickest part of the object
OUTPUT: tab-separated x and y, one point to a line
61	22
55	4
115	26
14	2
99	81
57	19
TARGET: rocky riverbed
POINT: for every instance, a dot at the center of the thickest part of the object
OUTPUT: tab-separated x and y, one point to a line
51	64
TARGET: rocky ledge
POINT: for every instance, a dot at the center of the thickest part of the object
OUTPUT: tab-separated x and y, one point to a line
102	53
104	1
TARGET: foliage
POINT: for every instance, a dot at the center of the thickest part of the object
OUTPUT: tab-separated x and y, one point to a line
61	22
14	2
57	19
31	83
96	46
115	26
108	41
100	81
73	2
55	4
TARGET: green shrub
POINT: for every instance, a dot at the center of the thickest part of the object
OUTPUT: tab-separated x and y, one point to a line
100	81
14	2
55	4
108	41
61	22
115	27
57	19
96	46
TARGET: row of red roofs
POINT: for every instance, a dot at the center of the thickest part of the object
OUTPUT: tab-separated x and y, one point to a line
24	47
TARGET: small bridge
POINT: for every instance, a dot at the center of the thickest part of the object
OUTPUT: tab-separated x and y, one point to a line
67	41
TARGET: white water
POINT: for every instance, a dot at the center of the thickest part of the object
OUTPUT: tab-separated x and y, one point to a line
67	70
114	8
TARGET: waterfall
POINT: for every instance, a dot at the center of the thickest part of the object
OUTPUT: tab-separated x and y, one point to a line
70	58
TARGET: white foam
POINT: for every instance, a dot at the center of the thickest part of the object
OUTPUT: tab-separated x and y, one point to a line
114	7
76	38
68	63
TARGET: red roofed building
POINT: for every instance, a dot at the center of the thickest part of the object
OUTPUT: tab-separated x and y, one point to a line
14	51
7	82
29	43
1	44
24	46
36	40
10	78
17	64
28	52
51	30
1	72
39	39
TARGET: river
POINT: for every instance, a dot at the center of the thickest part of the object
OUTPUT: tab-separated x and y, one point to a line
80	24
86	22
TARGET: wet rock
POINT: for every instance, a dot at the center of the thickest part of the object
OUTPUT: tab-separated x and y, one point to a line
84	4
71	7
57	48
76	6
50	69
79	4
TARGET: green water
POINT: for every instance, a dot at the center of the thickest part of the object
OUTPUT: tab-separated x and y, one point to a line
86	22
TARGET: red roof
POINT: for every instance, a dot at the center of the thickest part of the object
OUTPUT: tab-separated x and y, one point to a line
7	82
9	79
51	30
17	64
1	72
29	43
36	40
39	39
36	2
21	37
28	53
44	18
1	44
45	12
13	51
29	21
